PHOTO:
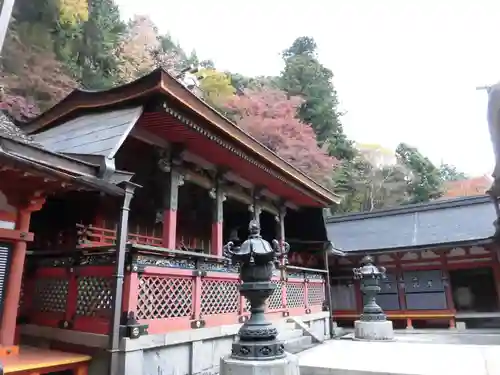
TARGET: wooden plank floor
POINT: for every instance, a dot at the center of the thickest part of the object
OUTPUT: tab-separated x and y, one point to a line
31	361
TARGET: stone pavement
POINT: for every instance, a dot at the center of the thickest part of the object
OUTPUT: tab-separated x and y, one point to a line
409	354
468	337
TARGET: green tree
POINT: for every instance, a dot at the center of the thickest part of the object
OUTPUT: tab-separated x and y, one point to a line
95	59
208	64
306	77
424	181
216	86
372	180
241	82
168	45
193	59
349	179
449	172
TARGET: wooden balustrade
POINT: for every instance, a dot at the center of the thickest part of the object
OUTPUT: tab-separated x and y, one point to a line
90	236
167	289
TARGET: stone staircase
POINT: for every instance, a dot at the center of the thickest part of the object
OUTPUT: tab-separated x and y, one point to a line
295	338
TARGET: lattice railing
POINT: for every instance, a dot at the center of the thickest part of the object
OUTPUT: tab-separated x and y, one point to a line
63	292
177	298
162	298
219	296
171	290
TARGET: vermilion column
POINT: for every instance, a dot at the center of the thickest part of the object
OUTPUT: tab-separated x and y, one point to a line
173	182
13	291
217	194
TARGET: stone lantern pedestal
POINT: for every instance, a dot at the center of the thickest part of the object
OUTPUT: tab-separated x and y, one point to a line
373	331
373	324
257	349
288	365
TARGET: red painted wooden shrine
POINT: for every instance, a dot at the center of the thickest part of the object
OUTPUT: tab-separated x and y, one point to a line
202	179
30	174
441	258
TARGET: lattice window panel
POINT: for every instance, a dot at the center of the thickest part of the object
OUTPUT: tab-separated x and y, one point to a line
162	297
51	294
95	296
219	297
247	304
315	294
275	301
295	295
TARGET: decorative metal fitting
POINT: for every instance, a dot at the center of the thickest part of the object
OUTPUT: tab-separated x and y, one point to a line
133	329
256	259
198	323
370	276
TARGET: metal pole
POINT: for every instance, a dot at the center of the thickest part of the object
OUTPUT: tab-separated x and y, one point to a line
328	291
122	237
7	7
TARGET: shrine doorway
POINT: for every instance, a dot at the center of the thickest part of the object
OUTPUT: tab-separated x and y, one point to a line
474	290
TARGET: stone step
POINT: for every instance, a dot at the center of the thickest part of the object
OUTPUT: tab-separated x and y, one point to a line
312	345
297	344
287	334
284	325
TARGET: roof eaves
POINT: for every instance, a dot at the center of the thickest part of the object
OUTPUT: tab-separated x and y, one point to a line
292	173
155	82
412	208
437	246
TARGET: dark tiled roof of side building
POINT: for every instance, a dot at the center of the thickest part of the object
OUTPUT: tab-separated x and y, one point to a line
419	225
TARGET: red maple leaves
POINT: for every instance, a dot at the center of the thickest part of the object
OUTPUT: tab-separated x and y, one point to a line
270	116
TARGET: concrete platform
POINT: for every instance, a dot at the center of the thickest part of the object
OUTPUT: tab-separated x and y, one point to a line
479	337
346	357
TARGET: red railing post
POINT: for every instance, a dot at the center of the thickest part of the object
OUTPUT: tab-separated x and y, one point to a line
130	293
306	292
197	297
72	299
243	305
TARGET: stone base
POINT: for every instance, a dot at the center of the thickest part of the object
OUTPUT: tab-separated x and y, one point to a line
284	366
373	331
257	350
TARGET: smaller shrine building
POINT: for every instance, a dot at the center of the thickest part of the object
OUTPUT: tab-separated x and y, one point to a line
441	259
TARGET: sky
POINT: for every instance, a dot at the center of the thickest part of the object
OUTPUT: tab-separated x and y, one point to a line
405	70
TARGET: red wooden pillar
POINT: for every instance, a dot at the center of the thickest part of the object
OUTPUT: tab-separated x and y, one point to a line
13	291
130	293
217	194
173	182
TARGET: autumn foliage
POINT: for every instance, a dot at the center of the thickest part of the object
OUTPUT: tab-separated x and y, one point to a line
73	11
34	73
270	117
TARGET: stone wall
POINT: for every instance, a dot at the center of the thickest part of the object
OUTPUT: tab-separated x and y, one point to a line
193	352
